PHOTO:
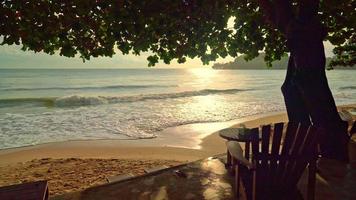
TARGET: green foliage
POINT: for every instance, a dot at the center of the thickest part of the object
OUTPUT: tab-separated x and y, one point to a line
169	29
340	18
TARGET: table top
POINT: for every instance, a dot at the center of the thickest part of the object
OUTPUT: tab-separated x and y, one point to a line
236	134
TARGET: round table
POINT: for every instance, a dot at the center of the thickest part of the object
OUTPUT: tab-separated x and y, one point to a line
239	135
236	134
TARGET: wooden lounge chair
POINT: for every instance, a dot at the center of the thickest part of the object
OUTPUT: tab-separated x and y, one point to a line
277	162
25	191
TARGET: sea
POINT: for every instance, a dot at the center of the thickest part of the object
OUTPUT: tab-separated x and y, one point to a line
51	105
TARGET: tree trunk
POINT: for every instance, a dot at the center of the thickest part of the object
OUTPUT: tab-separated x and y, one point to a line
307	95
306	91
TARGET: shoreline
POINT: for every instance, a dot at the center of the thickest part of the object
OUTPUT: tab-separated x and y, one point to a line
164	131
182	143
76	165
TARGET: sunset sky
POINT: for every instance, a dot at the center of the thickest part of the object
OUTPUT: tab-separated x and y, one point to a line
14	57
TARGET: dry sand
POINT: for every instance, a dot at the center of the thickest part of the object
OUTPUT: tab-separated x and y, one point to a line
75	165
74	174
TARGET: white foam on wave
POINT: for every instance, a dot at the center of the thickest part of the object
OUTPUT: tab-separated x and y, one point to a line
85	100
77	100
121	121
85	87
348	88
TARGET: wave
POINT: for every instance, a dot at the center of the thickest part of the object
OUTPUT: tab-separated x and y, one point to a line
78	100
348	88
89	87
48	102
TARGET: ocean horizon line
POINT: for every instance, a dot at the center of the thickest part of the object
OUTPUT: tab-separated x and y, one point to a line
128	68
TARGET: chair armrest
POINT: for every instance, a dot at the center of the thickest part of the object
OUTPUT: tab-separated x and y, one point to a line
353	129
345	115
236	152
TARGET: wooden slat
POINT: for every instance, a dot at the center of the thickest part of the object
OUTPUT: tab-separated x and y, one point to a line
295	149
277	136
287	144
255	141
264	171
289	138
276	143
307	153
297	145
310	142
266	133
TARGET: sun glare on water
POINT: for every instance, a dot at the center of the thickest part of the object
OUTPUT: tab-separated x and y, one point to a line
203	73
200	106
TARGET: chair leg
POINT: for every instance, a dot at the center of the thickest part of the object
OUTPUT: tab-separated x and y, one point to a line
247	150
237	182
254	185
231	169
311	180
46	194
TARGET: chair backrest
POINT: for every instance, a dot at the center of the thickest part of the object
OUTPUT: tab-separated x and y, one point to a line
282	156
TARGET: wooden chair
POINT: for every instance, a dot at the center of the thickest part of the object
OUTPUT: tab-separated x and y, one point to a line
277	162
25	191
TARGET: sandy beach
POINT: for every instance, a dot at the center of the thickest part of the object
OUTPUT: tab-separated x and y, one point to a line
75	165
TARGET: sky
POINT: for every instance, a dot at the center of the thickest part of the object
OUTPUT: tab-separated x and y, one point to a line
14	57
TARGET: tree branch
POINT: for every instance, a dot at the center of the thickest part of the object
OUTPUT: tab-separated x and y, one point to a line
267	9
307	9
279	13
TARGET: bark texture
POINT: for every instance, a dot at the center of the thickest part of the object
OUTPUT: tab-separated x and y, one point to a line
307	95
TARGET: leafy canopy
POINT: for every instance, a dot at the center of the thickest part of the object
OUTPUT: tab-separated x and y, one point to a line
168	29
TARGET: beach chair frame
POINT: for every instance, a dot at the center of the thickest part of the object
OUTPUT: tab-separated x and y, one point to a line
277	162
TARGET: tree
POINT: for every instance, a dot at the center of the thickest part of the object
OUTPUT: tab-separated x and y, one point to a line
197	28
168	29
306	92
